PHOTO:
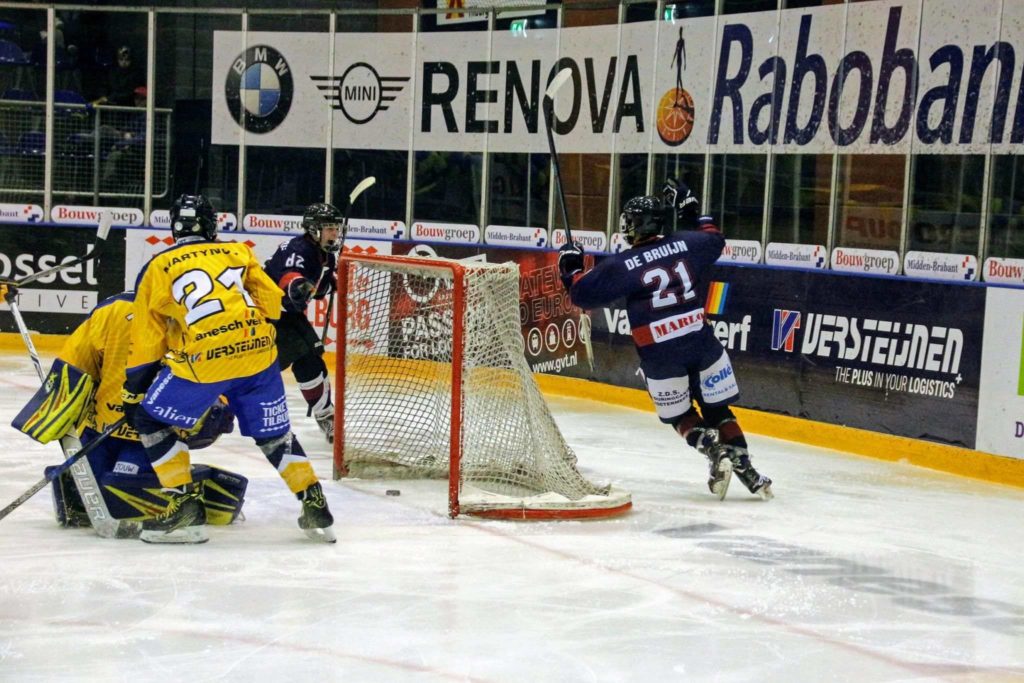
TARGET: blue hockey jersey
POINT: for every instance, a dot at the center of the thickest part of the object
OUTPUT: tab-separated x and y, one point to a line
301	257
663	285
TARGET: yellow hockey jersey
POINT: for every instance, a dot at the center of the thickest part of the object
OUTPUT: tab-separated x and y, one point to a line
99	347
208	303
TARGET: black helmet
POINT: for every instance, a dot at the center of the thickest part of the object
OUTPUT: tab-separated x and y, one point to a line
193	216
641	219
318	216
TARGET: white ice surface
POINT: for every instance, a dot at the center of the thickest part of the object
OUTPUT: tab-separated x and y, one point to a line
859	570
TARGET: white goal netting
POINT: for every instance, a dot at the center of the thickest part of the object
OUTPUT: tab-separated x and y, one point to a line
435	384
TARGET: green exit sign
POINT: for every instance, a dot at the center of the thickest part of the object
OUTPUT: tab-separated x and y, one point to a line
518	27
670	13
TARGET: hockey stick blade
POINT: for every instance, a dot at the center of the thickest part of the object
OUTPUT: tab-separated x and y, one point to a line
557	82
61	469
364	185
361	187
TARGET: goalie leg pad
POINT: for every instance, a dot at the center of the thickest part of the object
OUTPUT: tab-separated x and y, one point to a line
223	493
59	406
67	503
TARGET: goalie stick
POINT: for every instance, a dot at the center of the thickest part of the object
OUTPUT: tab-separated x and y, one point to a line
363	185
60	469
82	474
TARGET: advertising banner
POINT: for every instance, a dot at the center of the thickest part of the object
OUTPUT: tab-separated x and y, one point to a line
876	261
1001	399
1007	271
556	339
935	266
863	78
57	303
820	346
796	255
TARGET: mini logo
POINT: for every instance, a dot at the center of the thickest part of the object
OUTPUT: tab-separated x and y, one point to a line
259	89
784	327
360	92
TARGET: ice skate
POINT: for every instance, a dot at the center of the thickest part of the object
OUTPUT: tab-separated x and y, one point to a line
316	519
756	483
182	521
719	464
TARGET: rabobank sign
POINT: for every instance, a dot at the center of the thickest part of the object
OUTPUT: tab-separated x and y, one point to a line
866	77
879	96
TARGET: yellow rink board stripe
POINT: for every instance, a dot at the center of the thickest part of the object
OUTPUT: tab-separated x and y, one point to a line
952	459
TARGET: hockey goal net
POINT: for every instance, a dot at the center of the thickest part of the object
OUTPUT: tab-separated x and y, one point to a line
434	384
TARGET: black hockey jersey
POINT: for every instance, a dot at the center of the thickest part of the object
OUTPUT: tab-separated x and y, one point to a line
301	257
662	283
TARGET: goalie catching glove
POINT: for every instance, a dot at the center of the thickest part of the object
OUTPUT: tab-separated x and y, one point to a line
60	406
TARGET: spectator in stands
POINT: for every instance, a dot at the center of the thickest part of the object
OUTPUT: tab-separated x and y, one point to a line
124	78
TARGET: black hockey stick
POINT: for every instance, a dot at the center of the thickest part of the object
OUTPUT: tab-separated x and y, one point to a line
549	122
61	469
364	185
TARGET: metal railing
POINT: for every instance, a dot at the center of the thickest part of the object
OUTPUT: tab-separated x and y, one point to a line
98	150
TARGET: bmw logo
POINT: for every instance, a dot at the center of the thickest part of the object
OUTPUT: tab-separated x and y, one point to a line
259	89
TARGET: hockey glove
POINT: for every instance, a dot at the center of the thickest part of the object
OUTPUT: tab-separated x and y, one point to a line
570	259
130	405
680	198
300	290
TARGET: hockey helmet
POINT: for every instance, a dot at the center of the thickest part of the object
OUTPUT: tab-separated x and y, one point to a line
319	216
642	219
193	216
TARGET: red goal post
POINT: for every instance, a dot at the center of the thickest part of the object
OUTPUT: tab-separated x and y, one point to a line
432	382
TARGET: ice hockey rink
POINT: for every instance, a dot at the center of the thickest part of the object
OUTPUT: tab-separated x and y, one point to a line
859	570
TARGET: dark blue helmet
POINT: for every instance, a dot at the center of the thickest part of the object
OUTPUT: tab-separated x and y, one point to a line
642	219
193	216
319	215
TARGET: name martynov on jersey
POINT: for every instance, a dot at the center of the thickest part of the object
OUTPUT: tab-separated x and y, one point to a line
301	257
209	304
662	283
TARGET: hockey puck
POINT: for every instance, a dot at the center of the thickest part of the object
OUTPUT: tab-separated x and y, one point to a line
393	492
